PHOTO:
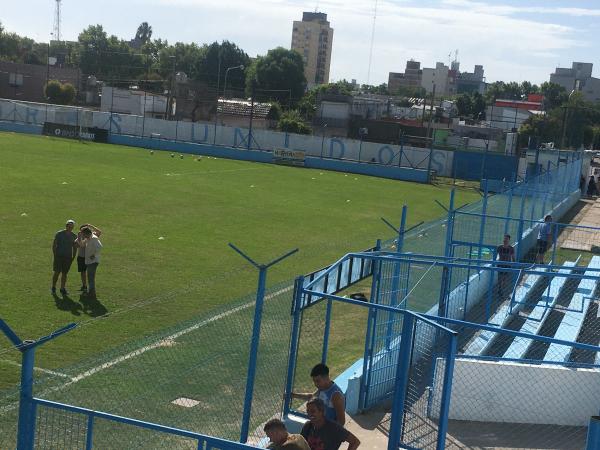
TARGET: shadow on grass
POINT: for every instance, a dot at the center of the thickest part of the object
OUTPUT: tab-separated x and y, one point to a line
66	303
91	306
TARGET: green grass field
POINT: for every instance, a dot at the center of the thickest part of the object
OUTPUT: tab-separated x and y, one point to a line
146	284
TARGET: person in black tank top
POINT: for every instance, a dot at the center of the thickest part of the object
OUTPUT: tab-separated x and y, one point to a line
506	252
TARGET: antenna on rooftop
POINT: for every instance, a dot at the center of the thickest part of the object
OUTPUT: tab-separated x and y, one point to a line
56	32
372	41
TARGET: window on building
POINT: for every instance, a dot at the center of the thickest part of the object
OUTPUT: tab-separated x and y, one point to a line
15	79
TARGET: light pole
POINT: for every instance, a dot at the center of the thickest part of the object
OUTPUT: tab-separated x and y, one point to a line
241	67
323	138
565	120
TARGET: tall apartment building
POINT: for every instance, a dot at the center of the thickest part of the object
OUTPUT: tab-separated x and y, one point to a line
312	38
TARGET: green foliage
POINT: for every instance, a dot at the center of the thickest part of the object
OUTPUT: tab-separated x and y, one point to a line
471	105
59	93
278	75
307	106
275	111
382	89
410	92
144	33
554	95
54	91
291	121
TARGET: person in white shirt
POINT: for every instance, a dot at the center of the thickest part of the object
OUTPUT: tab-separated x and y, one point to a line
93	247
81	266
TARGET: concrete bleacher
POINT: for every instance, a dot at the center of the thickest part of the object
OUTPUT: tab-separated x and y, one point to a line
572	321
484	339
536	317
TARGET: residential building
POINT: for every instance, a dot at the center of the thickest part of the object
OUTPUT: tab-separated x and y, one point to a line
411	78
441	79
578	78
27	82
128	101
470	82
313	38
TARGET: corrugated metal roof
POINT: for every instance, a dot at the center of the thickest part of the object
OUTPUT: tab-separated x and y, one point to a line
241	107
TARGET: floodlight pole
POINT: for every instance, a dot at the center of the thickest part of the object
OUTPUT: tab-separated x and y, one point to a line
253	357
26	426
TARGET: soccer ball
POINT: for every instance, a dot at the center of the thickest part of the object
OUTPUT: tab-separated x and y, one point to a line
180	156
172	155
152	152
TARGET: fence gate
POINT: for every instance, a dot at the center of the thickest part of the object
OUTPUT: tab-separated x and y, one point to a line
389	288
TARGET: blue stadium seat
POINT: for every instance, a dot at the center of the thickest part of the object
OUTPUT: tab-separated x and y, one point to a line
536	318
484	339
572	321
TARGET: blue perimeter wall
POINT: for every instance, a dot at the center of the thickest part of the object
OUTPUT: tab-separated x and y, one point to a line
375	170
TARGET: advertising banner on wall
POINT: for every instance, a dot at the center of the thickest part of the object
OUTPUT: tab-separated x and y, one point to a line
75	132
289	157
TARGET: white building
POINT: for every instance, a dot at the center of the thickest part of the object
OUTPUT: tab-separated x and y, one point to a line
139	103
442	79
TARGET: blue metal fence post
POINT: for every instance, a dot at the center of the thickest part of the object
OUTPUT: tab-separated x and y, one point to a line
326	331
446	393
394	300
508	210
483	217
255	341
519	238
294	342
370	333
260	298
548	189
444	285
401	385
26	428
593	436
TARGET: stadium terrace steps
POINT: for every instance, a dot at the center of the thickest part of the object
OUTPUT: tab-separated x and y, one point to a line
480	344
535	320
572	321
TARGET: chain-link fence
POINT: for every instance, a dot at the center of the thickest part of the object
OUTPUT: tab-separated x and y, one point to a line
190	377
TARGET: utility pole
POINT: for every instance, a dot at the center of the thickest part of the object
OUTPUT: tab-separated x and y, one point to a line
431	111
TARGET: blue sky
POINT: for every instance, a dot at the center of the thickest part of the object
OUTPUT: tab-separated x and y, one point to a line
514	40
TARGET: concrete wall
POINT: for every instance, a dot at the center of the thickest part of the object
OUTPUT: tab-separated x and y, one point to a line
442	161
486	391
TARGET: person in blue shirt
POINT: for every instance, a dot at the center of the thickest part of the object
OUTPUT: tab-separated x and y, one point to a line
329	392
544	239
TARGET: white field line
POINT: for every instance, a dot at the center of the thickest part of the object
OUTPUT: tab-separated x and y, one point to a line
39	369
208	172
144	349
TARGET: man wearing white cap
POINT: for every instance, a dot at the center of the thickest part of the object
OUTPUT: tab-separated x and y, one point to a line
64	250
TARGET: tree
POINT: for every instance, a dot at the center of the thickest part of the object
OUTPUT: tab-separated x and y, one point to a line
60	94
226	55
144	33
464	105
292	122
278	76
382	89
554	95
54	91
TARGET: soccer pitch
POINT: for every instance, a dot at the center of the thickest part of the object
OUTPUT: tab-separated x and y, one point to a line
146	284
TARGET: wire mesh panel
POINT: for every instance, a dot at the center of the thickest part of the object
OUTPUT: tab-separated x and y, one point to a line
522	404
427	373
